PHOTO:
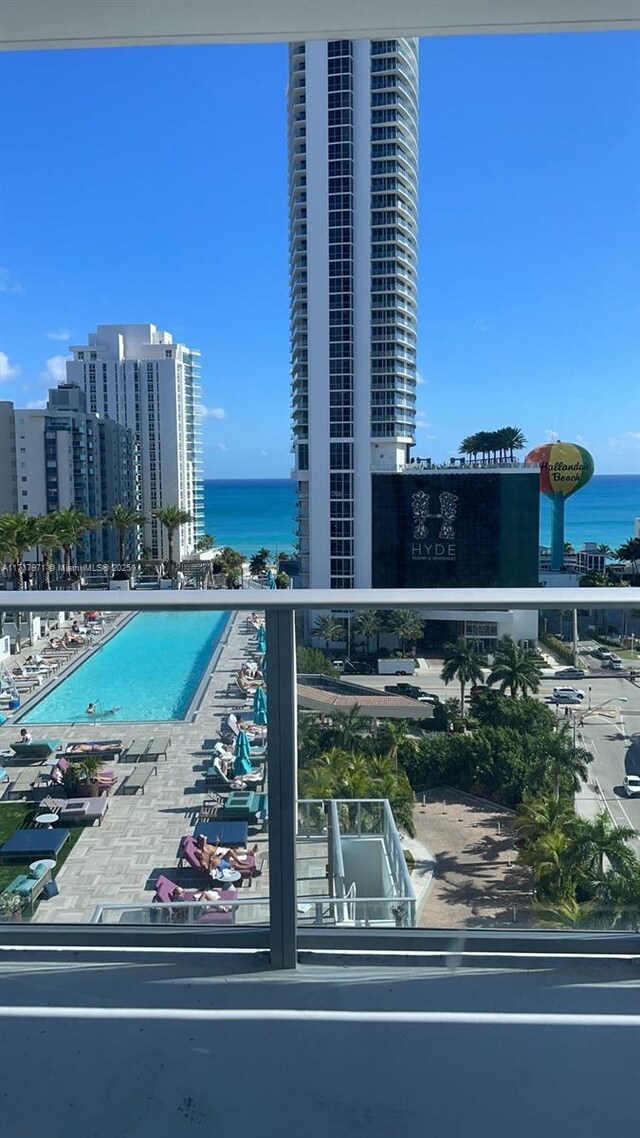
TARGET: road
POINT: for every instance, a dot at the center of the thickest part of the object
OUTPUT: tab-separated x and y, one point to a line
615	743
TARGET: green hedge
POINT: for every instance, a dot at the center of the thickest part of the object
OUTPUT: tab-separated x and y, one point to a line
563	651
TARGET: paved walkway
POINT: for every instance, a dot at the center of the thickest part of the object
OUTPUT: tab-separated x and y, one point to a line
477	882
119	861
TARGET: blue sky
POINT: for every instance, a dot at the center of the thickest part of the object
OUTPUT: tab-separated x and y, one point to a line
150	185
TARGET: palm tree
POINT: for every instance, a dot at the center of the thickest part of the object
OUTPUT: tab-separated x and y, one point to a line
538	816
630	551
407	626
599	839
562	762
564	912
368	623
70	524
349	726
259	562
18	533
469	445
568	548
49	542
327	628
172	517
463	663
205	543
515	668
392	737
616	900
513	440
605	549
123	519
596	579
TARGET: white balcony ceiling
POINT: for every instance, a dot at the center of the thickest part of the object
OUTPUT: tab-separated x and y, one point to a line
30	24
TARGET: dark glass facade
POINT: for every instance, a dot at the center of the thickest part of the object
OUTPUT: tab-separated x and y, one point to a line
475	529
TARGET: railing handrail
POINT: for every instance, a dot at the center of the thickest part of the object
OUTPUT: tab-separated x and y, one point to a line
310	599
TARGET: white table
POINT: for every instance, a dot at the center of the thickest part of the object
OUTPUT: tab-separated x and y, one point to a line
47	820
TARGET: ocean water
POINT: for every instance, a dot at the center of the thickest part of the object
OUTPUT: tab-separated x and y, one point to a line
603	511
250	514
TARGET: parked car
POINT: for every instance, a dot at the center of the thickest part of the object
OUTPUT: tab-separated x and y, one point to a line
568	695
412	691
570	673
631	785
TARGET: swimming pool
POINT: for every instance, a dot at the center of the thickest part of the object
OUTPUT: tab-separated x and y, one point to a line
150	669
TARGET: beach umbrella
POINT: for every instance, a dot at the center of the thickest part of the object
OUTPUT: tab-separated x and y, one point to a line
242	764
262	639
263	664
271	581
260	707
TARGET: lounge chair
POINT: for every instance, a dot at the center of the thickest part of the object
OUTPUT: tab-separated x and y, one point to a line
220	783
157	748
22	785
78	810
29	886
209	916
102	748
36	750
230	834
249	807
139	778
137	750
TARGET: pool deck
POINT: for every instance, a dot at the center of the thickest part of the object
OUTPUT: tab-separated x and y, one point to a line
119	861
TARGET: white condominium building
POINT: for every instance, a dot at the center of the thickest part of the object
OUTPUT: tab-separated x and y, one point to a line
136	375
353	130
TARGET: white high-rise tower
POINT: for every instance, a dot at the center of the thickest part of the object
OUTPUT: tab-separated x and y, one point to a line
136	375
353	130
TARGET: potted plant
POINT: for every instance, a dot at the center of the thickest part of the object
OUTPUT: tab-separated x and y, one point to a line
11	908
80	780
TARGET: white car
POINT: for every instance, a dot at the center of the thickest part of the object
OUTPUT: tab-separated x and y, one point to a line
568	695
631	785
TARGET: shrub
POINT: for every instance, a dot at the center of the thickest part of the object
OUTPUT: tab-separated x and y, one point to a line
558	647
311	661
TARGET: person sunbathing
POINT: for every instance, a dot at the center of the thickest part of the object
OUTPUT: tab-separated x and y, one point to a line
35	661
70	641
215	856
178	894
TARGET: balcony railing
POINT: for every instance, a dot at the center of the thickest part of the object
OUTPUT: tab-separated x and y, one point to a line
287	931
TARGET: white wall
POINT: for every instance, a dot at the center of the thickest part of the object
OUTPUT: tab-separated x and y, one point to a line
95	1047
362	310
318	312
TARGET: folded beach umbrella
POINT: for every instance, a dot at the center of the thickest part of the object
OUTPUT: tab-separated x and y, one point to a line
262	639
271	581
263	664
242	764
260	707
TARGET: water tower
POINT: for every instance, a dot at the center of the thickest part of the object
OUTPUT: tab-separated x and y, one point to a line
564	468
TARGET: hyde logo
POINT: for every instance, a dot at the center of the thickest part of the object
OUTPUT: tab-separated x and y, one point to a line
442	549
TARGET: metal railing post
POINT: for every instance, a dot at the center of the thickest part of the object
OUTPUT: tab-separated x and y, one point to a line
282	752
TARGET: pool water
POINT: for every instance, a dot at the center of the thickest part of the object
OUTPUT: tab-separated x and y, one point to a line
150	669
